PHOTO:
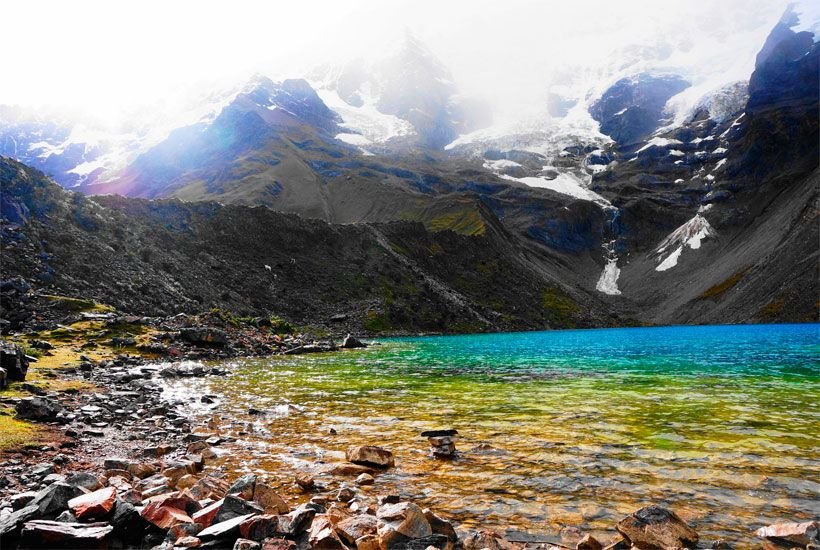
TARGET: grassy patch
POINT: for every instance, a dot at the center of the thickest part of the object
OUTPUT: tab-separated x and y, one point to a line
16	433
464	222
376	322
561	308
76	305
717	291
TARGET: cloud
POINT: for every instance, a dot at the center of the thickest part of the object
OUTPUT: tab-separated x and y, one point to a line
108	56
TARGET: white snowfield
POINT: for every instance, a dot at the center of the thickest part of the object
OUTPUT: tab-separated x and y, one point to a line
566	184
367	120
608	283
689	235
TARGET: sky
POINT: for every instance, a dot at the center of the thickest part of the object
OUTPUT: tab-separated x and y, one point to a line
109	57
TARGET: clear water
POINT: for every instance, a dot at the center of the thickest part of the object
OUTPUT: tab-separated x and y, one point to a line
556	428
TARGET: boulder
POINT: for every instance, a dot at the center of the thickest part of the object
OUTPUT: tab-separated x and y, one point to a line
370	455
244	486
127	522
323	536
656	528
233	506
401	522
441	526
115	464
207	516
188	542
13	361
356	527
442	442
41	409
800	534
21	500
55	497
350	342
97	504
84	480
204	335
588	542
268	499
55	534
164	516
11	524
365	479
489	540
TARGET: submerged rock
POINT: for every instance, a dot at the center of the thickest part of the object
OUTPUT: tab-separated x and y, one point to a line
656	528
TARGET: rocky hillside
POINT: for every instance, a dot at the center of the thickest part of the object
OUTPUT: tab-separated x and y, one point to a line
167	256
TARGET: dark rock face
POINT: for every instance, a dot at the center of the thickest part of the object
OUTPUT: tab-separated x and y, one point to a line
13	361
633	107
55	498
656	528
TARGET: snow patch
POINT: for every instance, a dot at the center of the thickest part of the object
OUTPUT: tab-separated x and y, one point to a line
366	120
690	234
566	184
608	282
659	142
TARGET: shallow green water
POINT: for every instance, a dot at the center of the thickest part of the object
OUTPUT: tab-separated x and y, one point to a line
556	428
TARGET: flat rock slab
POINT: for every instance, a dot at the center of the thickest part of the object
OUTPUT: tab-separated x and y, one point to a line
55	534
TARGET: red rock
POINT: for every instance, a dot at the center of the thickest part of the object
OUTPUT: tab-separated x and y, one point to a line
187	542
245	544
792	533
163	516
93	505
141	470
206	516
262	527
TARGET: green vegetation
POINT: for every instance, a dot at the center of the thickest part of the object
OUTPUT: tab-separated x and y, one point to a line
16	433
560	306
464	222
717	291
280	326
76	305
376	322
